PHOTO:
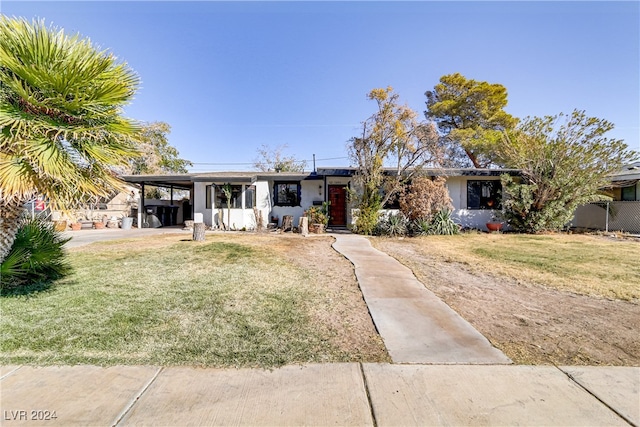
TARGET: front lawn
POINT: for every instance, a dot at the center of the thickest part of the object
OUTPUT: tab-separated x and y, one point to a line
541	299
235	300
589	265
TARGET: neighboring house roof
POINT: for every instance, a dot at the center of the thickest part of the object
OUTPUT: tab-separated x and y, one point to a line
629	175
628	172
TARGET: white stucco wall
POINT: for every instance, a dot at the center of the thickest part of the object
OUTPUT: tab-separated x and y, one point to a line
315	191
310	191
199	201
240	217
472	218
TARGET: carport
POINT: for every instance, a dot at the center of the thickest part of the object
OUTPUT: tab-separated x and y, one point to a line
170	182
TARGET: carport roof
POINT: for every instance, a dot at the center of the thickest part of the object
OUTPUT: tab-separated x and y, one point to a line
178	180
186	180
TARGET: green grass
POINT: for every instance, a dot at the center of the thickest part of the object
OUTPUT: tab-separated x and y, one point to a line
171	303
582	264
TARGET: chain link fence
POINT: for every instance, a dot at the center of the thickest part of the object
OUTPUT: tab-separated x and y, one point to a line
609	216
37	208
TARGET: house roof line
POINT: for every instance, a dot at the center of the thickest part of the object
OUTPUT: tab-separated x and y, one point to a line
186	179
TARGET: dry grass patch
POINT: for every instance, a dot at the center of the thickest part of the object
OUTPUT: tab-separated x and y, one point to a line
551	299
587	265
235	300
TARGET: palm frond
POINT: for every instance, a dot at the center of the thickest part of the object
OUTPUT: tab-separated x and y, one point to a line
61	126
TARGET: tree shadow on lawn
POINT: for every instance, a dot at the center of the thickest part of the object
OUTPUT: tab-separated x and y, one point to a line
31	289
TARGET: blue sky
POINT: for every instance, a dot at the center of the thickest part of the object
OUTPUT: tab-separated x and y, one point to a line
231	76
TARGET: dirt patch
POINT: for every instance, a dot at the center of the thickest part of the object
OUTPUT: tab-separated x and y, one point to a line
530	323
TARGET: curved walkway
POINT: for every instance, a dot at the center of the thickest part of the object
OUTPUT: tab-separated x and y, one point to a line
416	325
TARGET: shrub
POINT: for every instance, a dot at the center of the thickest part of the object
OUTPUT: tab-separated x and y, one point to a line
368	218
318	215
393	225
420	227
442	224
563	165
424	198
36	257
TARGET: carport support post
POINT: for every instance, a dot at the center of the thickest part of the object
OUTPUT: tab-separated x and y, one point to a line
141	209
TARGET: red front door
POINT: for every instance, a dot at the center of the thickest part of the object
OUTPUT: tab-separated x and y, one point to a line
337	205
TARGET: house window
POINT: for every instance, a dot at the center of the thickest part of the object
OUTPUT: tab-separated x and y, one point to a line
250	197
207	197
286	194
484	195
628	194
236	197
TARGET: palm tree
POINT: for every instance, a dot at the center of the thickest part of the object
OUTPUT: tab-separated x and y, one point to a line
62	133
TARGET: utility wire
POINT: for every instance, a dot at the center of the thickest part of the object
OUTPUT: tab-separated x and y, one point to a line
251	163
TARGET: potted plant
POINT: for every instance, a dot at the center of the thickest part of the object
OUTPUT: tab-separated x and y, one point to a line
495	224
318	219
60	225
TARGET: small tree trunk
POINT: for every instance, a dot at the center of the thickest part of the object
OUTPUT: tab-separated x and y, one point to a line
198	231
303	225
287	223
10	212
259	221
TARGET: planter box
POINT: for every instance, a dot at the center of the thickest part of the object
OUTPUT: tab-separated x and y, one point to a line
494	226
316	228
60	225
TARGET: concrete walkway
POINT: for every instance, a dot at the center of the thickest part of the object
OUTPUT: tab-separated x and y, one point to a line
320	394
416	325
86	237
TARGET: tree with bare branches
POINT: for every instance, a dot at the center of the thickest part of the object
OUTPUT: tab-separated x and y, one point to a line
393	148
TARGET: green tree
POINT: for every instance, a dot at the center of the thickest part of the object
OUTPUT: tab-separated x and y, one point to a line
471	116
393	148
158	156
62	132
565	161
273	159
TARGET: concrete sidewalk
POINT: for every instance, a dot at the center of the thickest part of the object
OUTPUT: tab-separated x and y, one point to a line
416	325
321	394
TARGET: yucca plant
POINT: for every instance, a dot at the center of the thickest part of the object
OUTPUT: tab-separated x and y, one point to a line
443	224
393	225
36	257
420	227
62	134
